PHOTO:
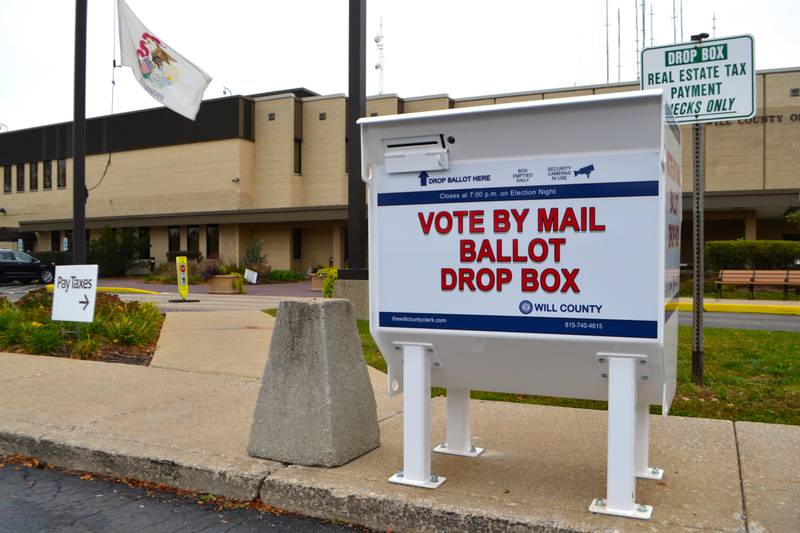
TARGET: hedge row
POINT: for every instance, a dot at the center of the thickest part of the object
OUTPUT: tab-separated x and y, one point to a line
741	254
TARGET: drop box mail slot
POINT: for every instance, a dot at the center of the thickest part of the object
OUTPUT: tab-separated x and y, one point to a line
552	235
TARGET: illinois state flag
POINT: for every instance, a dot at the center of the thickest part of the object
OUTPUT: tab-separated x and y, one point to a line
166	75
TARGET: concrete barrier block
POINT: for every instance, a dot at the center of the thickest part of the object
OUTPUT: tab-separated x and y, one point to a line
316	405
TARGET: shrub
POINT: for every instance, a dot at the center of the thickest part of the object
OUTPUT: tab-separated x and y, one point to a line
190	256
36	300
15	334
9	315
130	331
43	340
148	313
114	251
253	255
86	348
168	273
330	275
741	254
286	275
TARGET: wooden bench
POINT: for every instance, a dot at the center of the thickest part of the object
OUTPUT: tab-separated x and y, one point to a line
765	278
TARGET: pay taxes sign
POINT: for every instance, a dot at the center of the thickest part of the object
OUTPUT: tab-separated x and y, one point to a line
705	81
74	291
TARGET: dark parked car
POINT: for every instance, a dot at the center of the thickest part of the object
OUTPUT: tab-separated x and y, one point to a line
19	266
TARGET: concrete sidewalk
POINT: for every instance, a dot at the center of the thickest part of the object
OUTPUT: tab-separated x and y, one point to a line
187	424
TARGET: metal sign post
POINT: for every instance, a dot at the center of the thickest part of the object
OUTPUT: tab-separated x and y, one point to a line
698	142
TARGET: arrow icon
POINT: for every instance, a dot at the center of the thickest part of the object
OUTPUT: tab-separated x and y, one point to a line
423	178
85	301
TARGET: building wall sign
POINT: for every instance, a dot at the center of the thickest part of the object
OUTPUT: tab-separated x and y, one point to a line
708	81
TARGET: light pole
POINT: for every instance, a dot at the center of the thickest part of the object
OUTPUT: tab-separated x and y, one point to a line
79	139
356	108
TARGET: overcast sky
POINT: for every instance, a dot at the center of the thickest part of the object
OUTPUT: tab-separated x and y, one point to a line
460	47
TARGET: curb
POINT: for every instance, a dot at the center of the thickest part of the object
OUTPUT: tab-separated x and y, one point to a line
118	290
277	485
292	491
767	309
126	459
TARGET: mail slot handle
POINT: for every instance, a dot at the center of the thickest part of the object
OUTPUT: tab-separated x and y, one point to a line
415	154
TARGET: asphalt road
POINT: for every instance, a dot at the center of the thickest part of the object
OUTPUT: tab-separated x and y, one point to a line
15	291
36	500
745	321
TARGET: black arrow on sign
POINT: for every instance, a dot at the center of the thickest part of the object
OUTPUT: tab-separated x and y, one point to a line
85	302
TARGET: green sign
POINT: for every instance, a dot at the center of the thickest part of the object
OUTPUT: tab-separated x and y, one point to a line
707	81
696	54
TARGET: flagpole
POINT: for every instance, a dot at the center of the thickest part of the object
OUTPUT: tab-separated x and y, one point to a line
79	139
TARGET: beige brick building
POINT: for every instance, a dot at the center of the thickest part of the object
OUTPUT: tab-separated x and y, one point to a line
272	167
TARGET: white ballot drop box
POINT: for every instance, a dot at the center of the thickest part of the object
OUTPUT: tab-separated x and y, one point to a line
529	248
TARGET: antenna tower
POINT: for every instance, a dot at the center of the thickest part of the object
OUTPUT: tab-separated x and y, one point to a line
674	24
681	20
651	24
714	25
636	20
619	48
607	66
644	25
379	64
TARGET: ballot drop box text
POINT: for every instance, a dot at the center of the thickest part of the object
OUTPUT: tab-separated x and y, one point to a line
529	248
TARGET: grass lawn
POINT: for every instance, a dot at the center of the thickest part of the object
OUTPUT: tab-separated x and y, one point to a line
749	375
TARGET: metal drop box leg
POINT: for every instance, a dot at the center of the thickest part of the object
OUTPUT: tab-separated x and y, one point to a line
459	437
622	442
417	420
643	469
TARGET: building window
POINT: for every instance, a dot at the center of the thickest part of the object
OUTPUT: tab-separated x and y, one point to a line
7	179
21	177
298	156
212	241
55	241
323	116
144	243
47	175
61	169
68	236
193	238
174	238
297	243
270	116
794	92
34	177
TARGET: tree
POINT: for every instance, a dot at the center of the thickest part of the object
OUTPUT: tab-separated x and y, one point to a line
114	251
794	218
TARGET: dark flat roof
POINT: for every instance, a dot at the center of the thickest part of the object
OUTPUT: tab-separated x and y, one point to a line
228	117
